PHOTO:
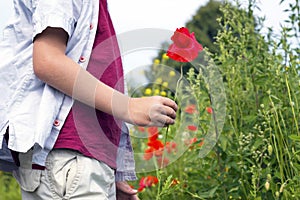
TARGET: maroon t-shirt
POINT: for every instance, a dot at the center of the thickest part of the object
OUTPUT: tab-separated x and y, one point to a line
87	130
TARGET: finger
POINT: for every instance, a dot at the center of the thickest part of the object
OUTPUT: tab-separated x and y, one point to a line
169	112
162	121
158	117
170	103
124	187
167	121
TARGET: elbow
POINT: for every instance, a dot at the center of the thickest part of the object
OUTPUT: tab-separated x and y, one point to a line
46	65
40	67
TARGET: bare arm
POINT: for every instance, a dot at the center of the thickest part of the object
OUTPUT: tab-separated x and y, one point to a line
52	66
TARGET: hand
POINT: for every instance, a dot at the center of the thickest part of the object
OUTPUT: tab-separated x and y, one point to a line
125	192
152	111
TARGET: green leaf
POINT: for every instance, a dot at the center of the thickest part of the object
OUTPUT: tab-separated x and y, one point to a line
224	142
209	194
294	137
249	118
257	143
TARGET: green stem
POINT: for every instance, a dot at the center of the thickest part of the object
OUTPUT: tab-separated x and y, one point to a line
291	104
166	137
159	182
178	81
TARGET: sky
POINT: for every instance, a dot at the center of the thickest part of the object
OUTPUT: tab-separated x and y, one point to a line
160	16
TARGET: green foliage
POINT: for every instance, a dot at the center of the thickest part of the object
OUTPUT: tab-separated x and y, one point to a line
205	26
257	155
9	188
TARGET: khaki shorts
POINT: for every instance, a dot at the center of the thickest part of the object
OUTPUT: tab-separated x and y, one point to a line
68	175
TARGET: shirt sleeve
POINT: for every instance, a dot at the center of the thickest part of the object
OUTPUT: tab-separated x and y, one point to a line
55	13
125	160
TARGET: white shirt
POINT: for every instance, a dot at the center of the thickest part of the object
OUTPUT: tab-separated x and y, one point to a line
33	110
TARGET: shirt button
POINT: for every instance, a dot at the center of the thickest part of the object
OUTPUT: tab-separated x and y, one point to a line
82	59
56	123
91	26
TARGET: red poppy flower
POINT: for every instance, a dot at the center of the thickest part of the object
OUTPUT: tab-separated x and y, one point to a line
185	47
152	133
162	162
171	147
193	140
152	130
201	142
190	142
154	180
153	137
147	181
192	128
209	110
159	152
190	109
141	129
148	153
156	144
174	182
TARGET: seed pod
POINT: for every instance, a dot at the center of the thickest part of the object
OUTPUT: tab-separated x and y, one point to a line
277	194
282	187
269	177
270	149
267	185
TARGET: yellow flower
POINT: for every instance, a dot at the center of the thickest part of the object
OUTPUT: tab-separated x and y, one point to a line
165	57
163	93
156	62
172	73
226	169
158	80
148	91
165	84
156	92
